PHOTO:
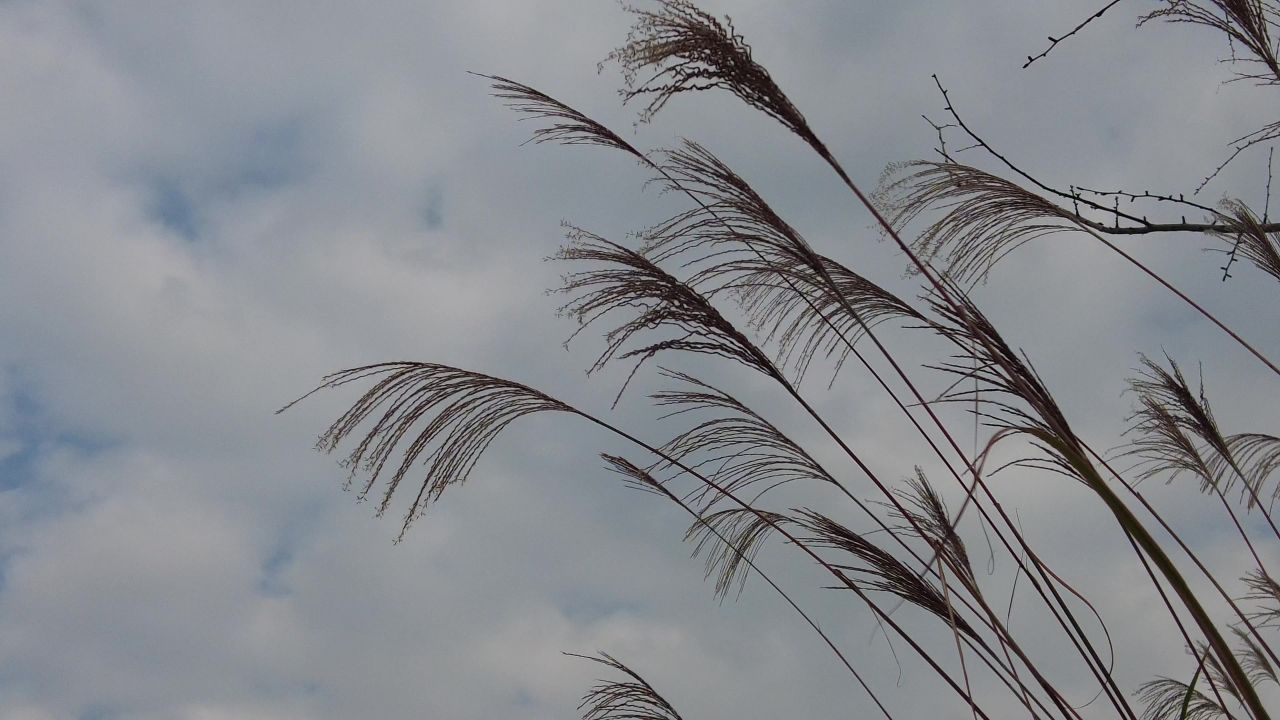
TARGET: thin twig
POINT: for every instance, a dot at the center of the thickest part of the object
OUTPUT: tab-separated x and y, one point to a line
1141	225
1053	41
1096	229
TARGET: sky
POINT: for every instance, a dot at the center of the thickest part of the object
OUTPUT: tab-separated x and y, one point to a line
206	207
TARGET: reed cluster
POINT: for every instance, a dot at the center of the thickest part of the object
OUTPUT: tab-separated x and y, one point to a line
728	278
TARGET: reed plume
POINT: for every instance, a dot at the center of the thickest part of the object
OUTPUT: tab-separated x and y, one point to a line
630	699
879	570
1257	455
1246	23
629	281
805	302
730	539
1264	592
1249	238
567	126
984	217
925	515
1175	428
443	416
688	50
736	447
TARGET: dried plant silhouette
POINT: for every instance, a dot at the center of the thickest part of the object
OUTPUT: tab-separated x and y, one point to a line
939	566
631	699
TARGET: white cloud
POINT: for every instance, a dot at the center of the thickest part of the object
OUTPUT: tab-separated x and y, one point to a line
206	207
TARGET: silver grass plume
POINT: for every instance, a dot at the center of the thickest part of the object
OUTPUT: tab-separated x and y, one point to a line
630	699
441	416
735	447
679	48
567	125
1013	394
1264	591
878	570
805	302
628	281
730	540
1254	658
1169	699
925	515
1249	239
1177	432
633	475
1175	429
1257	455
1247	23
774	289
984	216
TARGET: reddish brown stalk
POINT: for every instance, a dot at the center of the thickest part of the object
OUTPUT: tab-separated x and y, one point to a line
580	129
782	109
1228	660
1186	549
843	579
1114	693
635	471
532	100
1167	422
633	699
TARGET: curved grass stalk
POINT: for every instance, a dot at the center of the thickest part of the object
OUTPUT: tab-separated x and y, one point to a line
689	50
462	421
576	128
633	699
1040	568
647	481
702	44
1104	677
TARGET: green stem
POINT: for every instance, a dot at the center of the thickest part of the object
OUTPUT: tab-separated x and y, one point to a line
1129	522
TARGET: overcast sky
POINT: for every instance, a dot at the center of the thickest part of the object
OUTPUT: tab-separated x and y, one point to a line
205	207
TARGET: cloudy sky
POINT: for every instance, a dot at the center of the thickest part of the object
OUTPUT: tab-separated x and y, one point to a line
205	207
